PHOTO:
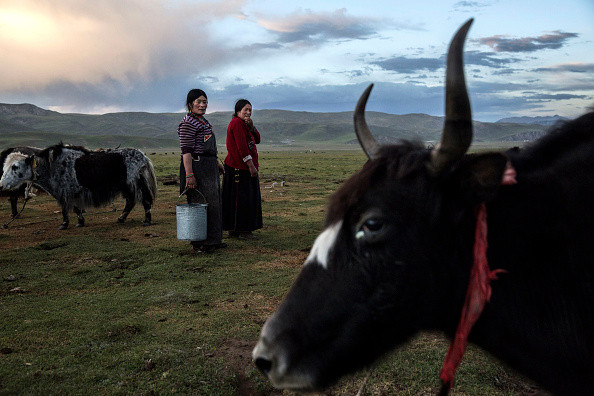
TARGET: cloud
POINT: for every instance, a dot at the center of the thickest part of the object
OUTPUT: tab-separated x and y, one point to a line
167	94
469	6
405	65
487	59
489	100
549	97
43	42
569	67
554	40
258	47
402	64
312	29
504	72
140	55
386	97
349	73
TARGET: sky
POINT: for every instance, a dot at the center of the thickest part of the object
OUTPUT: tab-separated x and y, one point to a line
523	58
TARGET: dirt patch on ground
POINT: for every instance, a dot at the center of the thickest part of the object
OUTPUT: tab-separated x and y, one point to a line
41	219
237	355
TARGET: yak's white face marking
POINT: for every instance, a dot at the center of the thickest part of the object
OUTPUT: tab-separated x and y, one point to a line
11	159
323	244
15	171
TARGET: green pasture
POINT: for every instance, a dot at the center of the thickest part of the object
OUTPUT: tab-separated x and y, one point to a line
125	309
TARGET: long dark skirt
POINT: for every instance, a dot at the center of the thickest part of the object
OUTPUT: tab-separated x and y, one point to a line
206	171
242	204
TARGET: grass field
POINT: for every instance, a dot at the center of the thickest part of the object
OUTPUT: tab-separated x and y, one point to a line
126	309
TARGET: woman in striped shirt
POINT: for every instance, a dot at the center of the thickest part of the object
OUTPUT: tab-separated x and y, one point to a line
200	169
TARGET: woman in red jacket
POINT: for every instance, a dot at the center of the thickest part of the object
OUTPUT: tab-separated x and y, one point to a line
242	204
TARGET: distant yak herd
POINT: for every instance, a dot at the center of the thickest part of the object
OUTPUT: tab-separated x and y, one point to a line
79	178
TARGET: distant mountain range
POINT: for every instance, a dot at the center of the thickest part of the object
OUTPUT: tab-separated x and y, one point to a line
534	120
27	124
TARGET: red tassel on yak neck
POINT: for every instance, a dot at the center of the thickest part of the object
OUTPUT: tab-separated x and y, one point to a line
478	292
477	295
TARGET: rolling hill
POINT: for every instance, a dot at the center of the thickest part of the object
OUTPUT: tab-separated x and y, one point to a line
28	124
534	120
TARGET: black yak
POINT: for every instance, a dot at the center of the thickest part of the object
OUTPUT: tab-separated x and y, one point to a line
408	243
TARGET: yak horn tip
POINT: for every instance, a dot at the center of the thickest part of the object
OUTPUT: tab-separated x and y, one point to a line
364	96
368	143
466	25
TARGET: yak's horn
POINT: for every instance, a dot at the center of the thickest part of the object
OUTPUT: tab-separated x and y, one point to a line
457	131
366	139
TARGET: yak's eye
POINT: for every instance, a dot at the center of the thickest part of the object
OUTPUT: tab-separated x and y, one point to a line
373	225
14	167
370	228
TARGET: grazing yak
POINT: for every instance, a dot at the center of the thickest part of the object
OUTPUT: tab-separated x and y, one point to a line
79	178
20	192
408	243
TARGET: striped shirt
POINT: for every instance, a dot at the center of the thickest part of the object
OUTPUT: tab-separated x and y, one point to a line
193	133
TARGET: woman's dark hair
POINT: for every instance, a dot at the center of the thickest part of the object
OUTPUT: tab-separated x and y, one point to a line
240	104
194	94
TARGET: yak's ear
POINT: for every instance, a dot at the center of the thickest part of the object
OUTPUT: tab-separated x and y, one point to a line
481	175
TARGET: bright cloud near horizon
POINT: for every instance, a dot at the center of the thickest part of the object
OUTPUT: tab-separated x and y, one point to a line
522	58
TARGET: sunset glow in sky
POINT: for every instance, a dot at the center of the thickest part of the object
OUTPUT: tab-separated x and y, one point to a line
522	57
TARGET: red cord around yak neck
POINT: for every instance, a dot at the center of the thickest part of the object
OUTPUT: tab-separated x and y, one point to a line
477	294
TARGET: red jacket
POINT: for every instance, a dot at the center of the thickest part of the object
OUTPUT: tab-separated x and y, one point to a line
241	144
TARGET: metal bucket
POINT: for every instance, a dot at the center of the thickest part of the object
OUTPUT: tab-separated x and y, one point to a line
191	220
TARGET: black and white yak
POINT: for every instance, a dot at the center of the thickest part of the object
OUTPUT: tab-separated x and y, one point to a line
405	249
79	178
13	195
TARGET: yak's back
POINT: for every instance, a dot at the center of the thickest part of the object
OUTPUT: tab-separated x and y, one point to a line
566	152
553	198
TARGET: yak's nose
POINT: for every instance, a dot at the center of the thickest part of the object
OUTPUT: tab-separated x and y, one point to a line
264	364
261	357
273	360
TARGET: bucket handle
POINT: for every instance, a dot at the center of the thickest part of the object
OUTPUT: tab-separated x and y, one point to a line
186	190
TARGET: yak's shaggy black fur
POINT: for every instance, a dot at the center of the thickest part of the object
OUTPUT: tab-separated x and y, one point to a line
396	256
411	269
